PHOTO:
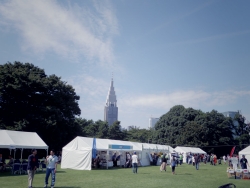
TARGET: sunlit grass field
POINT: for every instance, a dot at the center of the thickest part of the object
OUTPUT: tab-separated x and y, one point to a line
151	177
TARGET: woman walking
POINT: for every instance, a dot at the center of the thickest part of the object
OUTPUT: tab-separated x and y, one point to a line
163	164
173	163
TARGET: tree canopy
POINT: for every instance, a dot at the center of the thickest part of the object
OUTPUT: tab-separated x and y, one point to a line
30	100
189	127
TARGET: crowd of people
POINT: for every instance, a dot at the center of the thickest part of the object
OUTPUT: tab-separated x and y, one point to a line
132	160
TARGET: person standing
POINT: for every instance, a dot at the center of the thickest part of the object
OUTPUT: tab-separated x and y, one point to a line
173	164
32	165
215	159
197	160
244	162
52	161
164	163
114	160
181	159
135	162
224	159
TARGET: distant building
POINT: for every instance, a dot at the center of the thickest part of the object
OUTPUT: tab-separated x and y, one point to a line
111	109
230	114
152	122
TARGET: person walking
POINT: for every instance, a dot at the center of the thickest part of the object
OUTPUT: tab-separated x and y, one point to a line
51	161
173	164
135	162
197	160
164	163
32	165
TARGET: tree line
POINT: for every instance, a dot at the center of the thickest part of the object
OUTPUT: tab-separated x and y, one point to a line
32	101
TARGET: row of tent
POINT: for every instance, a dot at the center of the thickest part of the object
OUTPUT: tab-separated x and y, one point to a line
77	154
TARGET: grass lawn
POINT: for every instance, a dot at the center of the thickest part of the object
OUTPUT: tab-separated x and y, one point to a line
186	176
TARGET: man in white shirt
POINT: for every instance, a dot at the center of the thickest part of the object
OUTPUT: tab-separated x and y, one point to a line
52	161
135	162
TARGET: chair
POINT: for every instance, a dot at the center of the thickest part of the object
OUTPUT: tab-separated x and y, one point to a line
245	174
16	168
230	172
17	161
24	168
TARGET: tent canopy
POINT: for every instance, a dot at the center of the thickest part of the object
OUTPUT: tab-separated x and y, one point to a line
77	154
245	151
181	149
19	139
85	143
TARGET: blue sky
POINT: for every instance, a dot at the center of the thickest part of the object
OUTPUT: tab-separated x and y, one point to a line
162	52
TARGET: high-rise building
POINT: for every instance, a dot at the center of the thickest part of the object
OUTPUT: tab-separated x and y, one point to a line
152	122
230	114
111	109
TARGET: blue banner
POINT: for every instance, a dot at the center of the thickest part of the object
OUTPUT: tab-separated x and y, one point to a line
118	147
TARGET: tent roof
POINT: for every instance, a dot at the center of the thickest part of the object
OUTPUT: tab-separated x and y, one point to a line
19	139
245	151
85	143
189	149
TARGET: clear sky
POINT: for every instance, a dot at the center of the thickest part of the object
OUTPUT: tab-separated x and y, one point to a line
162	52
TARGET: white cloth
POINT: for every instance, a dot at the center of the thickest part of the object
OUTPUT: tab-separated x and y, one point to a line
134	159
224	158
128	156
51	161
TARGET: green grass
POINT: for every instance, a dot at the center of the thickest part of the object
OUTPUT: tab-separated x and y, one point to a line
186	177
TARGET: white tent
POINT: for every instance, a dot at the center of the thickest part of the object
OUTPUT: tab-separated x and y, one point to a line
153	148
245	152
78	153
21	140
186	150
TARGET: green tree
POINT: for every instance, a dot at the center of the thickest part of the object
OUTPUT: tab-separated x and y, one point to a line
32	101
136	134
241	131
103	129
115	131
189	127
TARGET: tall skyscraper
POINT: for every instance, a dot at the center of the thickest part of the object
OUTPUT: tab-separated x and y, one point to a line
111	109
152	122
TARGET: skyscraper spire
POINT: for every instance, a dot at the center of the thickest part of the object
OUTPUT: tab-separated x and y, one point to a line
111	109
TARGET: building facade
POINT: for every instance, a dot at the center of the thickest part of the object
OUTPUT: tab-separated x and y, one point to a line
152	122
111	109
230	114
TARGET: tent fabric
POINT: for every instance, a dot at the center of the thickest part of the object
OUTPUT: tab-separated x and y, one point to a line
180	149
76	159
19	139
245	151
77	154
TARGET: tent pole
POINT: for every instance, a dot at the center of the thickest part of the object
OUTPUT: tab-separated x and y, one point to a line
107	158
22	155
14	154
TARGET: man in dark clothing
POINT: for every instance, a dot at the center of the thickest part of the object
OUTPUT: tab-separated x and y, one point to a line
244	162
197	160
32	165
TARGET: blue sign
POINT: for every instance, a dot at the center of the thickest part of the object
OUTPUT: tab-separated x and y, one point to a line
118	147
